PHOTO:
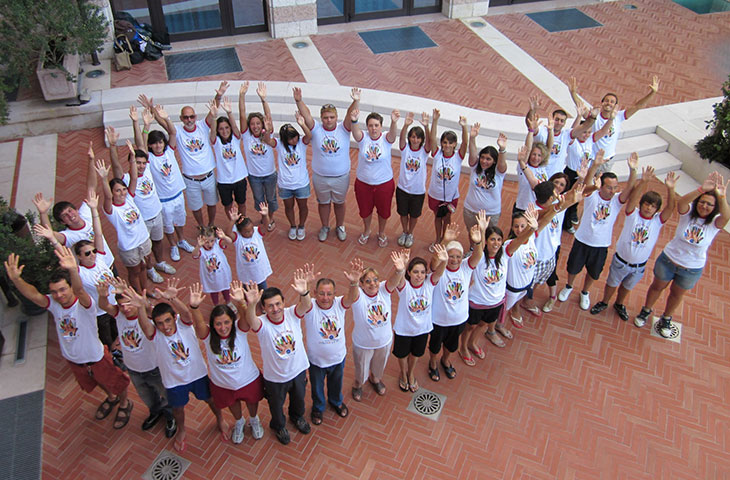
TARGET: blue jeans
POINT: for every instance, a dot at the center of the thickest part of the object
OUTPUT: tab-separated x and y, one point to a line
334	376
264	190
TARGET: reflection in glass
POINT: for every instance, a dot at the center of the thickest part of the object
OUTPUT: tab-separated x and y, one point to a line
366	6
191	15
136	8
425	3
247	13
330	8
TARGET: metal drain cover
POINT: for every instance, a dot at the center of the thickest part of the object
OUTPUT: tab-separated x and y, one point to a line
167	466
300	44
95	73
427	404
478	24
628	6
676	328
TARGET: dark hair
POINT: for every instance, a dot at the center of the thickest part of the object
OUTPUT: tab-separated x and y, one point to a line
243	223
608	175
449	136
271	292
515	215
715	211
412	264
155	136
492	229
324	281
559	111
652	198
206	230
161	309
116	181
60	275
252	116
215	339
223	140
562	175
419	133
543	191
81	244
140	154
286	133
375	116
490	172
60	207
609	94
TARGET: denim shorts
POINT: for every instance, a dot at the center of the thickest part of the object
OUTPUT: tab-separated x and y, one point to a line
666	271
178	396
622	274
301	192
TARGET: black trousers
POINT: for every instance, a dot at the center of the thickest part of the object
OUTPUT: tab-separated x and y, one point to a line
276	395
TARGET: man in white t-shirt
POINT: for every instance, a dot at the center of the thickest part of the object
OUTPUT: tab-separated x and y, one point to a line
594	235
330	161
74	315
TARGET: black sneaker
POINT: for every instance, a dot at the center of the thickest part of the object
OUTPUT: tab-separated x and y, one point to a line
170	427
621	311
665	327
283	436
302	425
642	317
151	421
598	308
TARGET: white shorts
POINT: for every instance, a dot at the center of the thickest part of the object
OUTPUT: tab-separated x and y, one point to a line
135	256
173	213
331	189
200	191
154	226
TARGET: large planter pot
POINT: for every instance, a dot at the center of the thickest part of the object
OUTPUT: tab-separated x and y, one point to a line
54	82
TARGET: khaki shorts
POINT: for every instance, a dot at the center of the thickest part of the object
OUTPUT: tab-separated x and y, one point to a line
135	256
331	189
154	226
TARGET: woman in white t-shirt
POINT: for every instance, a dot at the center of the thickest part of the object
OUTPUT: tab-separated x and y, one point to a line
411	190
293	181
533	166
702	214
234	376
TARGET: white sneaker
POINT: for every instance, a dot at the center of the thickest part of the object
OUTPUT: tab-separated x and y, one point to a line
409	241
585	301
154	276
402	239
165	267
292	233
565	293
341	234
174	253
548	307
256	429
323	233
301	233
185	246
237	434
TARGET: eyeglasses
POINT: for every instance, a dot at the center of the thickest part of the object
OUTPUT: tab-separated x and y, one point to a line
88	253
188	117
368	280
706	204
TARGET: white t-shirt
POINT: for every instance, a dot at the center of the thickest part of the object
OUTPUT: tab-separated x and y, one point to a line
282	347
78	335
638	237
490	281
139	353
166	174
372	319
693	237
484	194
414	309
559	151
548	239
412	176
230	166
70	236
293	172
91	276
451	296
525	193
374	160
129	224
252	262
195	152
231	369
445	172
259	155
179	356
579	151
326	334
215	273
610	140
597	220
145	195
521	268
330	150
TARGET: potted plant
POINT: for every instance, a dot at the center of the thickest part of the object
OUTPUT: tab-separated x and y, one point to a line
47	35
36	256
716	145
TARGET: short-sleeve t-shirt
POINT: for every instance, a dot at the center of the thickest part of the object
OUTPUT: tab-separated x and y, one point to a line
548	239
490	281
259	155
414	309
522	262
371	316
412	175
166	174
230	166
86	232
559	150
638	237
145	195
215	273
178	355
326	334
293	172
579	151
374	160
451	296
139	353
129	224
330	150
444	185
91	276
282	347
484	194
610	140
196	155
599	216
525	193
252	262
693	237
231	369
78	335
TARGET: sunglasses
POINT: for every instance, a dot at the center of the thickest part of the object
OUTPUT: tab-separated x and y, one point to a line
188	117
328	105
88	253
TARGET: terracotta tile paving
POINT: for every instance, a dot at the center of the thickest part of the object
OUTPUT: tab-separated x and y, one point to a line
687	51
572	397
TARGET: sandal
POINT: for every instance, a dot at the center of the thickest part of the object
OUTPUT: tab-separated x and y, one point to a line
316	417
450	371
379	387
433	373
534	311
517	322
382	241
181	447
271	226
494	338
468	360
414	386
504	331
342	410
403	385
123	415
105	408
357	394
363	239
478	352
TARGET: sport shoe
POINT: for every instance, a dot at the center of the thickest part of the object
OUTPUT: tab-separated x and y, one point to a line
154	276
571	230
409	241
170	427
548	307
174	253
323	233
237	434
565	293
151	420
598	308
642	317
292	233
301	235
165	267
302	425
585	301
665	327
621	311
341	234
283	436
257	431
185	245
402	239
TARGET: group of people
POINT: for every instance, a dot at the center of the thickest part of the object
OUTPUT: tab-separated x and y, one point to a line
446	302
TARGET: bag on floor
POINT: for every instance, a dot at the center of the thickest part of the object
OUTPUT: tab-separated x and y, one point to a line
122	52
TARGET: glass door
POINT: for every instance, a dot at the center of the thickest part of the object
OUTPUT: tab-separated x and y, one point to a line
186	16
337	11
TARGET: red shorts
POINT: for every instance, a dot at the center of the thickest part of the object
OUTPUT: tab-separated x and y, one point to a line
374	196
251	393
103	373
433	204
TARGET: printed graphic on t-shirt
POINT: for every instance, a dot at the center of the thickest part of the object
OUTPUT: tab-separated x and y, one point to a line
166	168
554	225
328	330
639	235
285	345
228	152
258	148
291	159
131	339
694	234
529	258
329	145
227	358
194	145
611	130
377	316
91	236
445	173
417	304
556	149
212	264
541	176
482	182
601	213
68	328
144	186
250	253
130	216
454	291
412	164
492	276
372	153
179	352
104	276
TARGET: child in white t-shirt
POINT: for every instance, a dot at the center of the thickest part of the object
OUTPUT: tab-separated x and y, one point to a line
411	189
252	262
215	273
293	179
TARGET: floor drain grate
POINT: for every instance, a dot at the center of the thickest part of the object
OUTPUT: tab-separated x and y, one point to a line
676	328
478	24
300	44
427	404
167	466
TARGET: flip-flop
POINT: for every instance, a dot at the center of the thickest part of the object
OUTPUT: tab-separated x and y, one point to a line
181	448
478	352
363	239
468	360
403	385
502	330
517	322
433	373
494	338
450	371
413	387
534	311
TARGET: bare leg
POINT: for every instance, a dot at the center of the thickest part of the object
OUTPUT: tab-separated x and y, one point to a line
179	414
674	299
412	224
404	224
179	233
571	279
289	211
171	239
438	223
324	213
157	251
303	211
411	367
366	224
211	214
339	214
465	340
242	209
222	426
655	290
588	283
198	216
381	225
433	359
236	410
403	365
253	409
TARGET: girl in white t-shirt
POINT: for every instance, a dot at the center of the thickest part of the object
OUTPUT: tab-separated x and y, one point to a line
252	262
234	377
411	190
293	181
215	273
533	165
703	213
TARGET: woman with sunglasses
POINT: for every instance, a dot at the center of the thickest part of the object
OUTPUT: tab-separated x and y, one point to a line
293	180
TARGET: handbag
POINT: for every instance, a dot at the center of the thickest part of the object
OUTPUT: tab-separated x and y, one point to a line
122	50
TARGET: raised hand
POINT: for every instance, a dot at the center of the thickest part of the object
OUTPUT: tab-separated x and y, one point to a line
600	160
354	113
264	208
551	123
583	169
573	85
522	156
112	136
355	94
43	231
451	233
261	91
42	204
654	84
394	116
533	123
119	285
356	268
130	147
12	268
160	110
482	221
309	272
201	241
633	160
531	216
425	118
436	114
237	292
400	259
221	90
252	292
145	101
243	89
196	295
131	297
296	93
462	121
577	192
147	117
300	281
720	186
440	252
213	108
671	180
709	184
66	258
502	141
474	130
171	290
475	234
299	118
534	103
226	105
219	233
268	125
647	173
101	169
409	119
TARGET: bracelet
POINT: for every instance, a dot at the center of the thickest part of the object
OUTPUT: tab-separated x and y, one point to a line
353	284
502	151
194	308
304	294
145	131
523	168
353	121
556	208
529	130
